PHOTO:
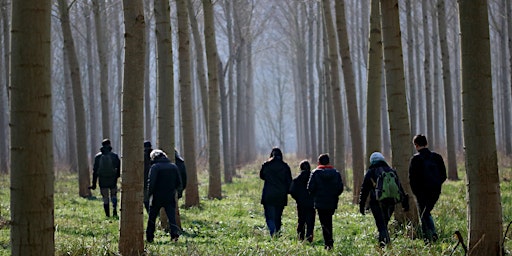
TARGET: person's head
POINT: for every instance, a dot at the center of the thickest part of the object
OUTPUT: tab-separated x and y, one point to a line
420	141
147	144
323	159
157	154
305	166
105	142
276	152
376	157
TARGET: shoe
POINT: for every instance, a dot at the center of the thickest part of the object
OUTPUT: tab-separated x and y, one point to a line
149	240
328	247
114	213
434	238
174	238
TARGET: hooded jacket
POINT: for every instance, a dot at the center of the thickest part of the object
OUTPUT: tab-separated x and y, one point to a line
163	182
325	185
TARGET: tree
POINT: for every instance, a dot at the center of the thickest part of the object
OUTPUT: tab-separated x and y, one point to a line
186	102
214	188
350	91
483	184
81	142
4	84
397	103
32	186
131	240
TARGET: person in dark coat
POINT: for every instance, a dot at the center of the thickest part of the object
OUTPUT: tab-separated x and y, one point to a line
305	206
107	180
147	165
381	211
277	176
325	185
163	184
180	162
427	173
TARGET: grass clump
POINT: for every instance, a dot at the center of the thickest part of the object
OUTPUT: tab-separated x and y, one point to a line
235	225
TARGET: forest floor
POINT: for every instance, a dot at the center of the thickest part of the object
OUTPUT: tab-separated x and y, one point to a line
235	225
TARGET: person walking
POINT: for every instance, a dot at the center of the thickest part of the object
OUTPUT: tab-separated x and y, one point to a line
325	185
277	178
107	169
305	206
147	165
382	208
427	173
163	184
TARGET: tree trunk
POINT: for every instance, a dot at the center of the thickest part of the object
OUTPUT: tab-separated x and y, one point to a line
148	8
374	92
483	184
350	90
187	114
312	123
131	239
397	102
92	80
448	98
214	188
4	87
426	69
70	155
78	100
100	25
339	140
31	187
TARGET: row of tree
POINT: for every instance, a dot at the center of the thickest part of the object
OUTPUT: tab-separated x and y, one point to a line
120	56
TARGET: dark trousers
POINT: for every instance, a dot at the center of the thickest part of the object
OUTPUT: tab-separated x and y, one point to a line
325	217
154	209
427	222
382	214
306	222
273	214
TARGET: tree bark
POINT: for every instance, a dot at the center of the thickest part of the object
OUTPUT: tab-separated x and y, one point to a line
483	184
131	228
31	187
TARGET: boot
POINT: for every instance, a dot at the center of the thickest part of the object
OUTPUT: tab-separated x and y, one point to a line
106	207
114	213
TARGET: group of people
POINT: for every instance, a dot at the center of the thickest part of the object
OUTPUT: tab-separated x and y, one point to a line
164	182
318	190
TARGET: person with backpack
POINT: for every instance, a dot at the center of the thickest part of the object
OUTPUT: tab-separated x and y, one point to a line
305	206
427	173
107	169
164	183
277	178
325	185
382	184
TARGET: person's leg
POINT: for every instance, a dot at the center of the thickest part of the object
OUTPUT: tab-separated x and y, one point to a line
104	195
150	229
380	222
310	223
325	216
301	213
146	200
426	220
270	217
278	219
113	196
170	210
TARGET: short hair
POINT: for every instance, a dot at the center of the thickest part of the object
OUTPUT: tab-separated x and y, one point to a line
156	154
276	152
304	165
420	140
105	142
323	159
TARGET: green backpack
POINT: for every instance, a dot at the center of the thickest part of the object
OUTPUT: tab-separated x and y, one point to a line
106	167
387	186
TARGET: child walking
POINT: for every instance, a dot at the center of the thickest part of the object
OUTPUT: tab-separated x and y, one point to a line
305	207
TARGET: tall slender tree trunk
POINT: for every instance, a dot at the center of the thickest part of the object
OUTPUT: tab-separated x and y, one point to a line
187	114
397	102
448	98
374	92
100	25
483	183
412	85
312	123
32	189
4	86
426	69
131	228
70	157
350	90
78	100
339	141
214	188
92	85
148	8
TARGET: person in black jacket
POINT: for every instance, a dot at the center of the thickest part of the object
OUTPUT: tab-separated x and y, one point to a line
278	177
305	207
325	185
163	183
147	165
178	160
381	211
107	178
427	173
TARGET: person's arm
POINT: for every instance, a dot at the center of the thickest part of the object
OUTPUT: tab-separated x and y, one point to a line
442	168
262	172
94	173
312	184
117	162
340	184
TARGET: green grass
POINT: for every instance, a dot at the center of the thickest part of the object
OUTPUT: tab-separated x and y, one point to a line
235	225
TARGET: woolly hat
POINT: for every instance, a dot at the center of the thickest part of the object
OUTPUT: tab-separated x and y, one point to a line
147	144
375	157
